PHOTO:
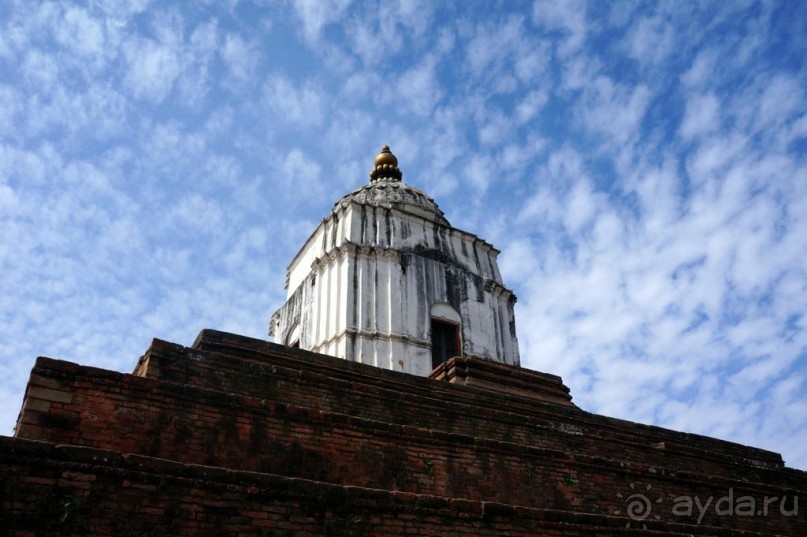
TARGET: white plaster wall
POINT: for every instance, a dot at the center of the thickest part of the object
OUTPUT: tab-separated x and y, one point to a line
364	283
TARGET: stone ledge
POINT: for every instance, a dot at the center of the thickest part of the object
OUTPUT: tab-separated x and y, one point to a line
503	379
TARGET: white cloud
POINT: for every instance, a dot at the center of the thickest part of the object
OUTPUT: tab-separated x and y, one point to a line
798	129
315	15
614	110
568	17
300	172
193	214
782	97
11	107
194	82
503	57
494	127
418	87
366	33
650	40
702	69
397	24
712	156
579	71
478	173
580	207
241	58
532	104
492	43
80	32
40	70
702	116
510	160
153	67
123	9
297	105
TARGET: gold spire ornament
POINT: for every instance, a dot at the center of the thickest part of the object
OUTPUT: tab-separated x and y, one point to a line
385	167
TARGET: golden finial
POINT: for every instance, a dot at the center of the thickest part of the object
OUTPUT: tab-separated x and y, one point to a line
385	166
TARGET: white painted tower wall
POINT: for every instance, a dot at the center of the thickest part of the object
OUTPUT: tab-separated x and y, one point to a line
364	286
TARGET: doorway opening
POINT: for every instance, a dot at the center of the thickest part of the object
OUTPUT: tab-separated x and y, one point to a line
445	341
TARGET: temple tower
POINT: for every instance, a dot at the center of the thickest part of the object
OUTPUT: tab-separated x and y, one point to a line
385	280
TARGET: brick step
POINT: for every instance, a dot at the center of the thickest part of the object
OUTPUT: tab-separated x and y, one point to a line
372	379
254	367
72	404
69	490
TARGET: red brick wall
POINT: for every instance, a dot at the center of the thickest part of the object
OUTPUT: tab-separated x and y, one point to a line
67	491
307	379
296	414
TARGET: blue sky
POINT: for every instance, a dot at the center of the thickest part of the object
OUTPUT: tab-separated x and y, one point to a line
641	166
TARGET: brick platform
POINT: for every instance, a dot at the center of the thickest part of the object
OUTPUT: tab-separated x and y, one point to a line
239	436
